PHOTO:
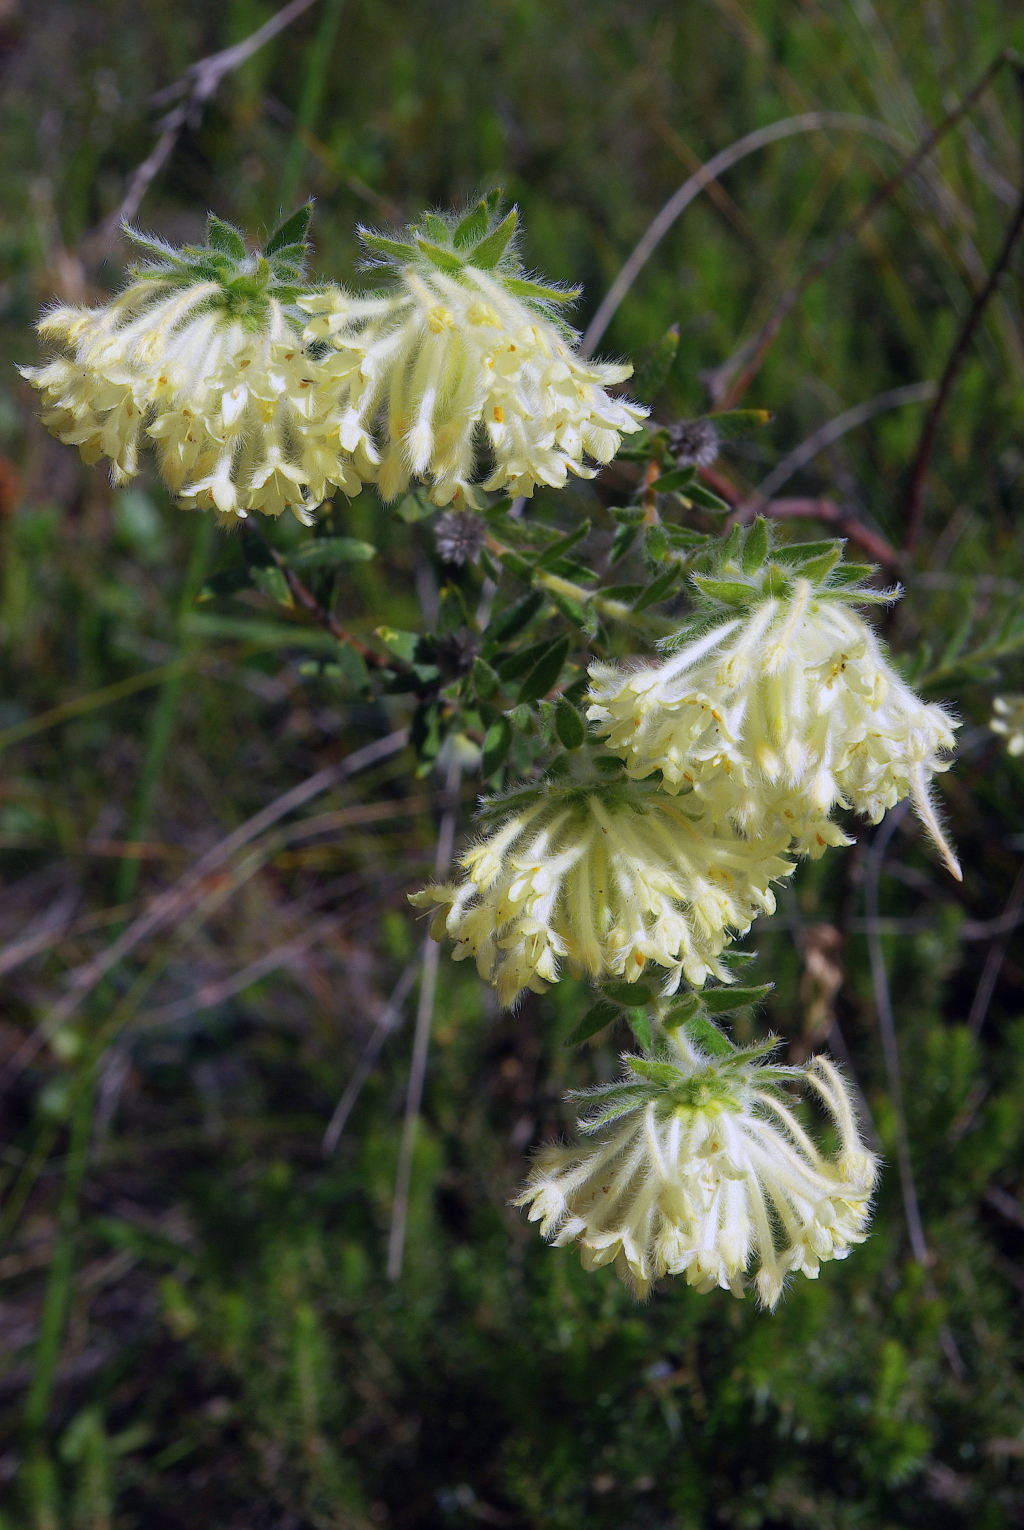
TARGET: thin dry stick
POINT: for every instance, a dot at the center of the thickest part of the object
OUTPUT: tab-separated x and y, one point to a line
1010	918
807	122
214	993
750	356
421	1040
914	505
891	1055
386	1022
169	905
196	87
833	430
887	1030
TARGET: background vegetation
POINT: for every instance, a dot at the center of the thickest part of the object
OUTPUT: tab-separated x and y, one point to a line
195	1323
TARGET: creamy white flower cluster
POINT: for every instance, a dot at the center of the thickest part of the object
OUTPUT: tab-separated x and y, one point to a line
700	1167
201	356
262	393
463	361
1008	719
781	709
606	875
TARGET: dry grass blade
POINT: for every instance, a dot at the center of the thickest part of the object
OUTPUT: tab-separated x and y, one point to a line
808	122
170	905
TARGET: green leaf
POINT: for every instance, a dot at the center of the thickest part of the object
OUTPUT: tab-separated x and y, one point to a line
472	227
393	248
352	671
671	483
402	644
445	260
569	725
485	681
624	538
556	550
273	583
228	582
660	589
519	567
719	1001
413	508
596	1019
728	592
544	674
510	622
437	228
656	544
292	231
225	237
653	375
801	552
628	994
663	1073
536	291
325	552
570	609
850	573
682	1010
490	250
493	198
700	494
706	1035
519	664
755	547
640	1025
497	743
739	422
817	569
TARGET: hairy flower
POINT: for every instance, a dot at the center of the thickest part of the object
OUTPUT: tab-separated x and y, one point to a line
460	536
463	359
1008	719
608	876
693	443
201	356
700	1167
775	716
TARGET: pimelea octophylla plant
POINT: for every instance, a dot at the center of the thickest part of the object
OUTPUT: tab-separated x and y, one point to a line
657	753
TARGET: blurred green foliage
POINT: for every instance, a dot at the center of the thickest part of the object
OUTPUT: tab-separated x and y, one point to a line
234	1355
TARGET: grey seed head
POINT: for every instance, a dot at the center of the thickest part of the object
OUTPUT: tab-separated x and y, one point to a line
460	536
694	443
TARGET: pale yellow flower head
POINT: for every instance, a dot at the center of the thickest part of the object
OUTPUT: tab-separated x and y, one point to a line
463	362
1008	719
607	876
201	357
699	1167
781	708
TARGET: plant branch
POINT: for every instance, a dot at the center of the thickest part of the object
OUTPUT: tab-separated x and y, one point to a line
192	91
914	504
750	356
807	122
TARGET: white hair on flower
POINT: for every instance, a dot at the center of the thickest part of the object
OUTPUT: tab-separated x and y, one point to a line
699	1167
606	876
201	355
775	717
463	358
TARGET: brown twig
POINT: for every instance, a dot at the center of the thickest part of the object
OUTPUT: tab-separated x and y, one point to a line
751	355
914	505
308	601
745	507
195	88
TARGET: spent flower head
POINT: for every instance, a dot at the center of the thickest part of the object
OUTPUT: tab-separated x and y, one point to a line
1008	719
697	1165
694	443
464	359
460	536
201	355
604	874
779	704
